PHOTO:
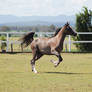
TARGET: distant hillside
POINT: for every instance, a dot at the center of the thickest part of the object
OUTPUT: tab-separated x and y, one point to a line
10	20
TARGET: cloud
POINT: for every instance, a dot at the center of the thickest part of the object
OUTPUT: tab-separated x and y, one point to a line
42	7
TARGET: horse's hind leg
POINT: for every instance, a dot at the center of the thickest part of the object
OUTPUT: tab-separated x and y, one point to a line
33	64
36	56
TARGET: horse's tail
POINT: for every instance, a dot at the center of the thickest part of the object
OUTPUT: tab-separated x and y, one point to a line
27	39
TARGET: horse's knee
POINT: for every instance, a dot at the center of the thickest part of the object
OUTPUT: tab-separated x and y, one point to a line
60	59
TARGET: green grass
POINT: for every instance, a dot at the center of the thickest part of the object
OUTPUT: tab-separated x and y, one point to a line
74	74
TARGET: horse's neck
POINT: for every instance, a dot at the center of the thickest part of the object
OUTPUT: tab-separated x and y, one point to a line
61	36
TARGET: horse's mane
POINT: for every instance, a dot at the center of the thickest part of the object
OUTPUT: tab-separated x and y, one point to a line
57	30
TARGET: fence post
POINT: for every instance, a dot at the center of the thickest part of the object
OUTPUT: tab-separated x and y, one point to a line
69	43
65	46
11	47
7	42
21	48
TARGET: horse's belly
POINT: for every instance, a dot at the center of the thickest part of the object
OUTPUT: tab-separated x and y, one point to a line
43	46
45	50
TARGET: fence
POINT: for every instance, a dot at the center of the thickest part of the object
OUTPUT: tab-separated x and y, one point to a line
67	43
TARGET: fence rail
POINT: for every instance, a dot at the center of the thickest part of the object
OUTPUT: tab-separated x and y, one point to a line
69	42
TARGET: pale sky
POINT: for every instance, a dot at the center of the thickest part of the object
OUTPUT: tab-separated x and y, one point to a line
42	7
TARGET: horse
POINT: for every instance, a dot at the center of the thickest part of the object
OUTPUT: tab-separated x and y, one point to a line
48	45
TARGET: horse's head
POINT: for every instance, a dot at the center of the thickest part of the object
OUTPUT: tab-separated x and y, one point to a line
69	30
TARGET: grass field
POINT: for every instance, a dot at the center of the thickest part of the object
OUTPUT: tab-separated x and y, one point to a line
74	74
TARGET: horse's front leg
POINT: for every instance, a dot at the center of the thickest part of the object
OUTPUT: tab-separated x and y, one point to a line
60	60
56	63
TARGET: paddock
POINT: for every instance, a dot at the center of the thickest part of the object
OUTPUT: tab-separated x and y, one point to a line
74	74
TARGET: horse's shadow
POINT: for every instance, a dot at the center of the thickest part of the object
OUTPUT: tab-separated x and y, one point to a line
67	73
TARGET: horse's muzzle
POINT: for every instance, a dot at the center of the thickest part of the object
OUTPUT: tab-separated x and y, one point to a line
75	34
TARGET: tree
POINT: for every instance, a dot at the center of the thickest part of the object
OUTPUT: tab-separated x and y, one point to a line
52	27
83	24
3	44
5	28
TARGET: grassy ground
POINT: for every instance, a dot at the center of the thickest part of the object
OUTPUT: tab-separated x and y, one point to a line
74	74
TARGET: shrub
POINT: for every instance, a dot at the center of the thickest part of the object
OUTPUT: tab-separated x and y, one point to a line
83	24
3	44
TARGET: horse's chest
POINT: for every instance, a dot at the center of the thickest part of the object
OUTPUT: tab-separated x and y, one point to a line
59	48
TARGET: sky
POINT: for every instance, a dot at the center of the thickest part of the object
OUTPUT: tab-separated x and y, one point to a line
42	7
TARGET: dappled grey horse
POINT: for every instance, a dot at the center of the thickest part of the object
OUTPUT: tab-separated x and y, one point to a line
47	46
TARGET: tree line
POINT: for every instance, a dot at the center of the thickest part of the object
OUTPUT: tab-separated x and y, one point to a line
37	28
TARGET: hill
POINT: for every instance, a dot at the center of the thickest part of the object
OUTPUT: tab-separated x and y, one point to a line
10	20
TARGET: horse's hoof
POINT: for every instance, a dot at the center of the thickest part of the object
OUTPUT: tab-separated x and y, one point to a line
56	64
34	71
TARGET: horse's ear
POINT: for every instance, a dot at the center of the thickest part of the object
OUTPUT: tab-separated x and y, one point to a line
67	24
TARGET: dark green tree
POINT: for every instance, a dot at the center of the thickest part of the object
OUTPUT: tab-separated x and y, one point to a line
3	44
83	24
52	27
4	29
